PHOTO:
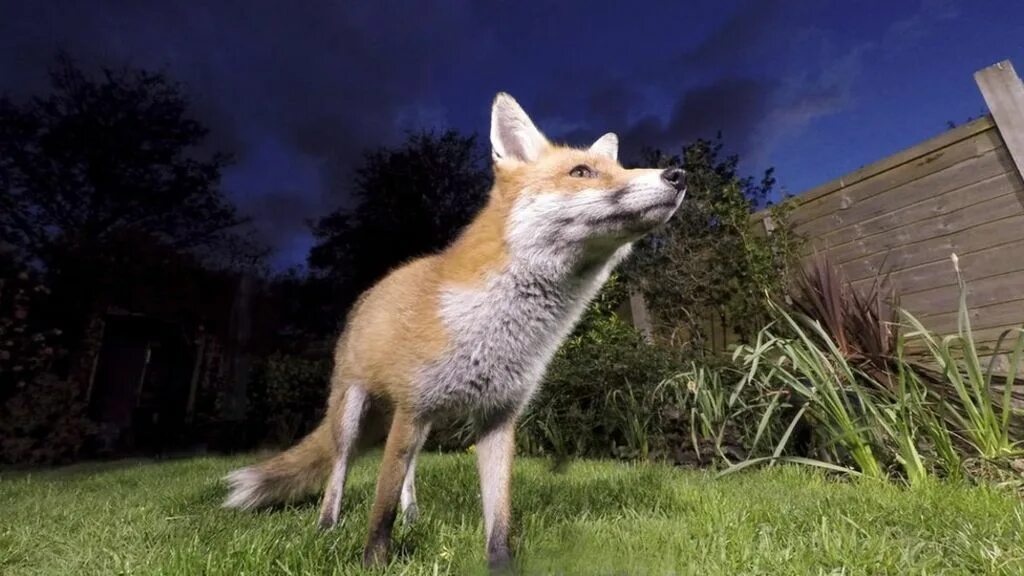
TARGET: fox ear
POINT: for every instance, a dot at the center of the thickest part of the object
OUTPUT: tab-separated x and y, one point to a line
513	135
607	145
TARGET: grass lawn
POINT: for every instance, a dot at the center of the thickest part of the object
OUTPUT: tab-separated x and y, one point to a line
596	517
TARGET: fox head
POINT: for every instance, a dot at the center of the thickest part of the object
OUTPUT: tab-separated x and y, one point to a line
573	200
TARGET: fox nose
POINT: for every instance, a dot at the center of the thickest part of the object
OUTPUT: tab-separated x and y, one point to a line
675	177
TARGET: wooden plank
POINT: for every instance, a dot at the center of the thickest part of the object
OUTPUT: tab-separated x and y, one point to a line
993	233
907	237
990	261
972	139
810	208
639	315
1004	95
985	292
920	200
984	339
1002	366
905	156
982	317
988	345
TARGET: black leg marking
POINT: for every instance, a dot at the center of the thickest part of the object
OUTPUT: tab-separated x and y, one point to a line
376	551
499	558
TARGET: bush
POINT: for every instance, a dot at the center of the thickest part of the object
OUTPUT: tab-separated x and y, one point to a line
26	348
287	397
42	416
704	273
602	396
45	423
877	411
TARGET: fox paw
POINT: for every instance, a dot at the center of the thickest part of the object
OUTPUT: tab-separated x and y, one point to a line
411	514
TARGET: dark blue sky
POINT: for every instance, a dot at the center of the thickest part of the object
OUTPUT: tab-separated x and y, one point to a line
297	90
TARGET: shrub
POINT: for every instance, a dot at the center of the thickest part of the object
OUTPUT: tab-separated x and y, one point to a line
879	412
287	397
602	395
45	423
864	325
42	416
704	274
814	369
983	418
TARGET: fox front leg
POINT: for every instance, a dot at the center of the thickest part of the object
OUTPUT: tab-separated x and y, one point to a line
404	439
495	450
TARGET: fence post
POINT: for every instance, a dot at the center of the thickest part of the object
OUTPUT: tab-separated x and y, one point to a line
640	315
1004	95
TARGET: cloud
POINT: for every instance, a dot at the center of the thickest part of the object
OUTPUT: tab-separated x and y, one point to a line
731	106
742	36
728	82
909	31
298	91
811	78
283	87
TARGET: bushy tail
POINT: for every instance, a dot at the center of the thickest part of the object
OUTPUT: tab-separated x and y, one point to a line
292	474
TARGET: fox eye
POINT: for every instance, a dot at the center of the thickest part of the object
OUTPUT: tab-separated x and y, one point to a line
582	171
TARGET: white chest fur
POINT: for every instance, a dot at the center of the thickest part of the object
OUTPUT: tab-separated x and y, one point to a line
503	336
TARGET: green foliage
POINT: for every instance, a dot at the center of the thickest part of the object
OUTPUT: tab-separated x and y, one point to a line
287	397
709	266
721	413
601	396
983	418
27	349
42	417
879	412
813	368
45	422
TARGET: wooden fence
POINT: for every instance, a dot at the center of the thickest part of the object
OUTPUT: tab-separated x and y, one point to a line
902	217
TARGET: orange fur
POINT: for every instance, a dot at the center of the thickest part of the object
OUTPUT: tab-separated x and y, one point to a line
395	330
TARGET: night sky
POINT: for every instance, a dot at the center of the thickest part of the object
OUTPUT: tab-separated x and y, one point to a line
297	89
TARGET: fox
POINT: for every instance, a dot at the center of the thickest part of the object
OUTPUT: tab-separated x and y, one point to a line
468	332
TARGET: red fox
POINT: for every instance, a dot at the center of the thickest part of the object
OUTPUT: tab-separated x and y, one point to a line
469	332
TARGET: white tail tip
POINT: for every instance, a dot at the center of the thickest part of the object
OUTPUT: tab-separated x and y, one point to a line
246	489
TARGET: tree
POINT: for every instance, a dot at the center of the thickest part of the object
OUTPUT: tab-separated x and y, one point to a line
98	158
708	269
104	189
303	311
411	200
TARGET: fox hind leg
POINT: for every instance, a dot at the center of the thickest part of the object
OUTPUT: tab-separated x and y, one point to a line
346	435
410	511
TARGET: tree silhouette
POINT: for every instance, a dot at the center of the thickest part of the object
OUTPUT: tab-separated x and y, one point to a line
411	200
105	188
98	158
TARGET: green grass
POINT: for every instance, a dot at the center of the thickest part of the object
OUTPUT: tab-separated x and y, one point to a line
596	517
